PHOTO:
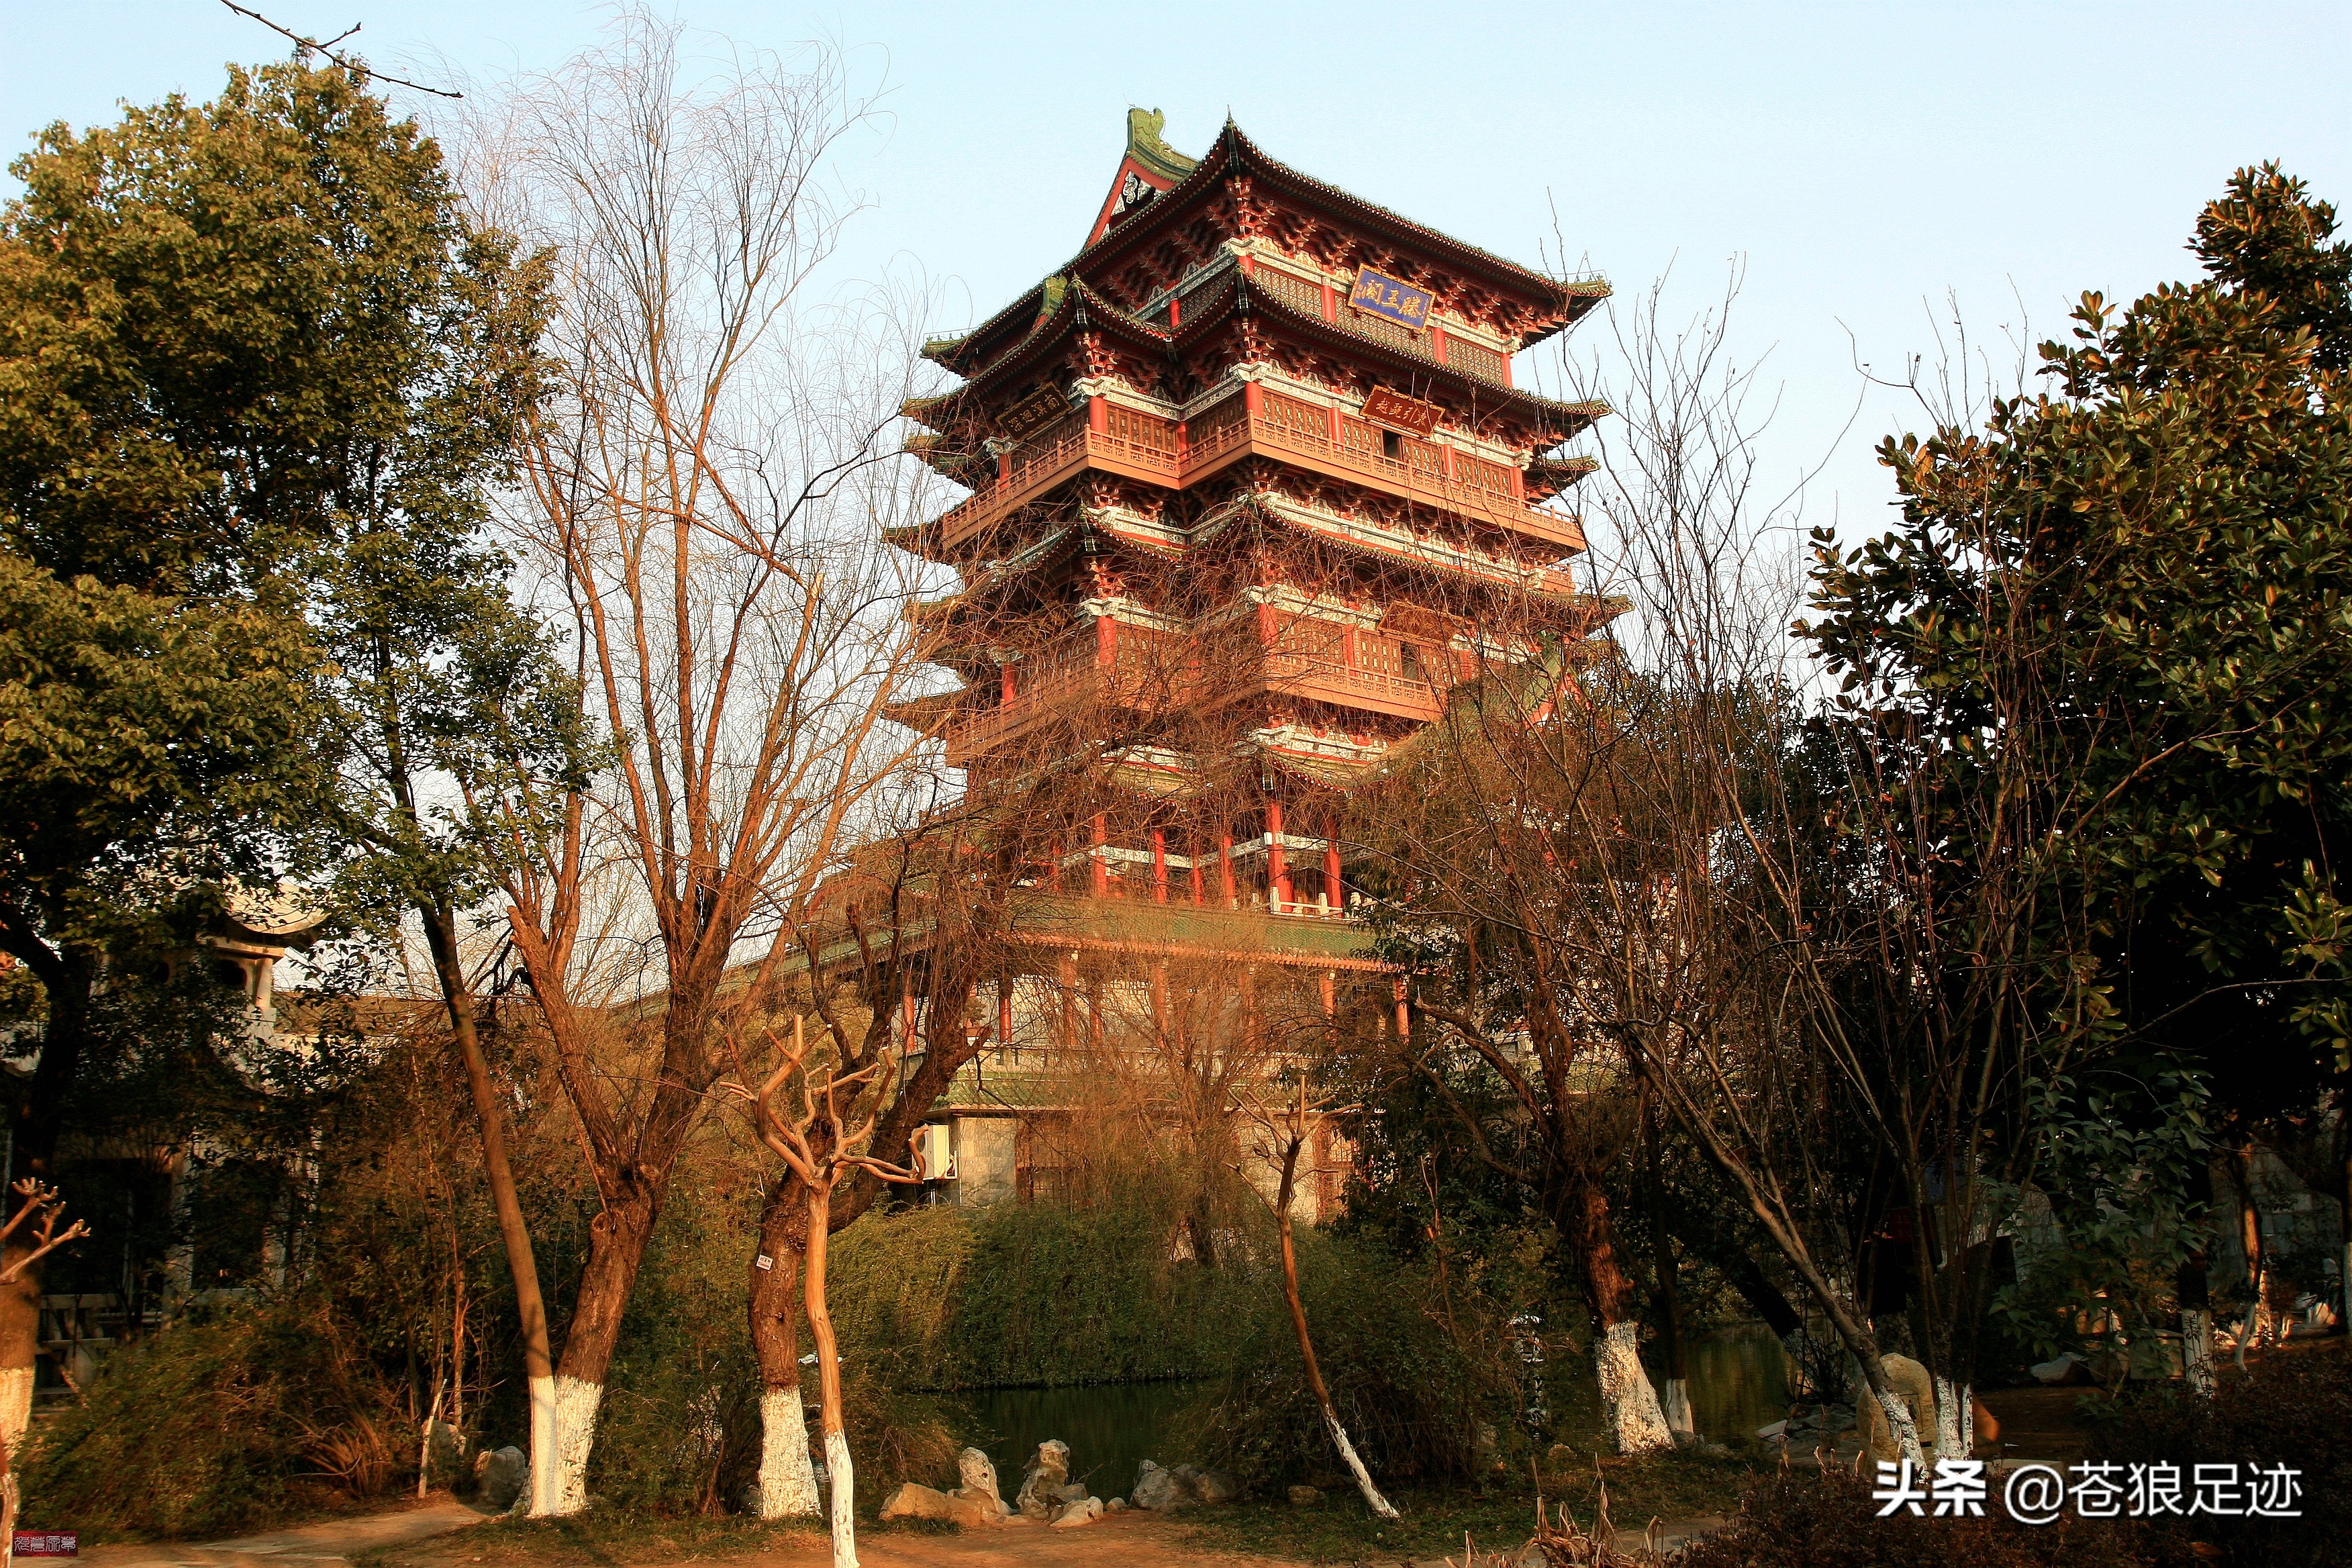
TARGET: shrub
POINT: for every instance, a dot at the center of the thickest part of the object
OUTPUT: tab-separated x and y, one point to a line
1824	1518
1411	1399
2293	1407
230	1421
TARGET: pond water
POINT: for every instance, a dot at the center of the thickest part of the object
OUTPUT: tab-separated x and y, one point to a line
1111	1429
1738	1381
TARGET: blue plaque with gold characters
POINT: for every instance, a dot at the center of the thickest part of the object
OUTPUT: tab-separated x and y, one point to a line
1382	295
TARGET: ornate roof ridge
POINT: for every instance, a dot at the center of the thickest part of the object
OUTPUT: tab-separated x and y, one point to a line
1587	410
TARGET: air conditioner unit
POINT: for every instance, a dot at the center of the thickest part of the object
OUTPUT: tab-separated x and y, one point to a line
935	1146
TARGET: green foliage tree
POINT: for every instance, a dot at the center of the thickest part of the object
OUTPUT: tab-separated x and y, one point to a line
251	353
2119	613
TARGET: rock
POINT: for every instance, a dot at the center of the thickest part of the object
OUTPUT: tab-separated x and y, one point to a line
1714	1451
979	1489
1074	1492
2063	1370
500	1477
1082	1510
1049	1472
916	1501
1216	1486
1767	1434
1116	1505
1158	1489
1558	1456
1304	1497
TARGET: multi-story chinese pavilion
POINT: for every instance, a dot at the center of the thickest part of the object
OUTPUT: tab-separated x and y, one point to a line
1252	490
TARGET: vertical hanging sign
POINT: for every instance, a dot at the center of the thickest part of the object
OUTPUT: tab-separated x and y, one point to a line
1382	295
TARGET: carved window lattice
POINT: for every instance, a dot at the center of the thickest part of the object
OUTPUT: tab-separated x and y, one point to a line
1478	474
1296	420
1474	358
1204	295
1300	294
1383	331
1145	432
1217	427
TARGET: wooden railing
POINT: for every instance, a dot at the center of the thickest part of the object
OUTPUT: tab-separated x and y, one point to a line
1148	447
1351	686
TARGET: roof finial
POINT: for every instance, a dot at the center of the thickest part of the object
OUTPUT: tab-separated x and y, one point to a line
1145	145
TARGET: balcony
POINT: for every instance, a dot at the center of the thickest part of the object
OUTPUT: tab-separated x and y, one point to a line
1174	455
1344	685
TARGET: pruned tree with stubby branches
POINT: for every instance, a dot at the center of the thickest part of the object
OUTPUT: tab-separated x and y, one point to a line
822	1141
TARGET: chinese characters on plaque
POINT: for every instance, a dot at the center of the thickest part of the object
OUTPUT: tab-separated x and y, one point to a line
1387	405
1039	409
2037	1493
1382	295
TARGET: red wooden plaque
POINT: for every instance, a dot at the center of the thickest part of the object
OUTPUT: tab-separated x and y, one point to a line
49	1543
1386	406
1040	408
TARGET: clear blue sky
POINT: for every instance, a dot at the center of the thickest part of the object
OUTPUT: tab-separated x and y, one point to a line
1866	159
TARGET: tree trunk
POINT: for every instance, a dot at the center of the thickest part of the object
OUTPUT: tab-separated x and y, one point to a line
1673	1399
787	1480
2258	1329
840	1480
1380	1505
522	1262
616	1247
1626	1394
2193	1289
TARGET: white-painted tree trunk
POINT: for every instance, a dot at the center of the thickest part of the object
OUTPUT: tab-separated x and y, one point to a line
787	1478
1372	1498
1673	1399
576	1403
16	1405
1899	1421
540	1497
842	1482
1626	1396
2197	1351
1955	1422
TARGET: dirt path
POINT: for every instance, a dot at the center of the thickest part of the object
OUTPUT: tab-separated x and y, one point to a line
328	1540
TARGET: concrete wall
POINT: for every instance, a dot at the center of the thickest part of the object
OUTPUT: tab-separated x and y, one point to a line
984	1153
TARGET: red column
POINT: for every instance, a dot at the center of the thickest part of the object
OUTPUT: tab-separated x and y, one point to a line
1006	682
1225	868
1106	641
1175	311
1332	415
1005	1011
1198	892
1330	302
1159	866
1331	994
1277	868
1403	1014
1254	399
1331	887
1066	970
1437	340
1098	414
1507	363
1004	468
1101	861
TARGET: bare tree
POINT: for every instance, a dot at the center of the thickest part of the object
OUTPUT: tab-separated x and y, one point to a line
38	1205
1285	1131
822	1144
704	489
